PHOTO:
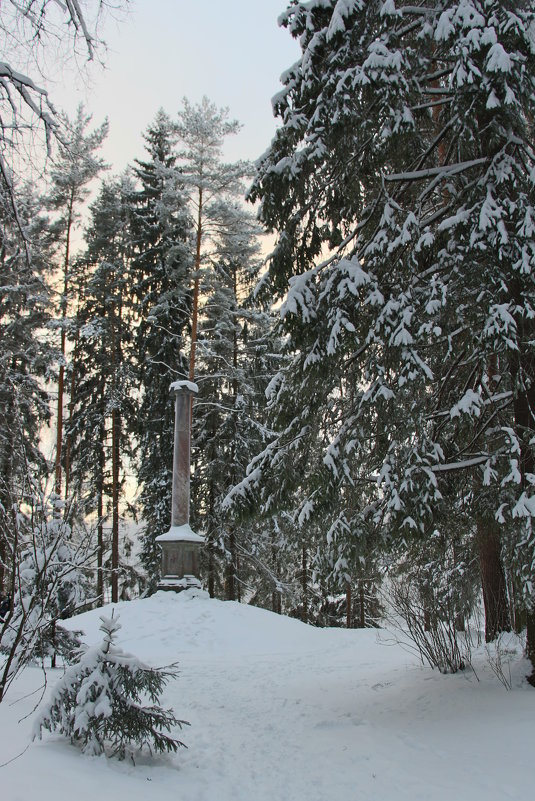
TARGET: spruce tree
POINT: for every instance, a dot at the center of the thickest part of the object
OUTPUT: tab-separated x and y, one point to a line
100	702
160	280
101	422
405	150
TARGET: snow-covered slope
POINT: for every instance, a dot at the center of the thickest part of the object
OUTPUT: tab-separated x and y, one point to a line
281	711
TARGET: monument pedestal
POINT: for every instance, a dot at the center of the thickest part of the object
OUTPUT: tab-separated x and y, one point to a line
180	558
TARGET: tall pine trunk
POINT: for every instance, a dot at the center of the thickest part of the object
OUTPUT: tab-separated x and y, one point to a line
115	444
362	604
232	578
115	447
63	348
276	605
196	287
100	515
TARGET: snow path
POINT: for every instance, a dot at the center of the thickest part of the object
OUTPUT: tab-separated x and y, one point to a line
284	712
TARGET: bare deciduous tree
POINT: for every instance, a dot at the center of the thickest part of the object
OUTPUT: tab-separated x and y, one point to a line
34	34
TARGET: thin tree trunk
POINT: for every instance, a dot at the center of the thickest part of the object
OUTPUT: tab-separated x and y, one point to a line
349	605
211	554
115	454
74	368
100	522
100	552
488	543
115	437
71	406
362	602
304	583
63	349
211	572
195	307
231	568
275	595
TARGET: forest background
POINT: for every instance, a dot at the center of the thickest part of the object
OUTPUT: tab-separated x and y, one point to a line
374	386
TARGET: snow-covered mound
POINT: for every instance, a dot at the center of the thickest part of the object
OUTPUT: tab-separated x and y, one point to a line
168	625
281	711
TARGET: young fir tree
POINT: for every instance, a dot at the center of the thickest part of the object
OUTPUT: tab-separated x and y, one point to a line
100	702
405	149
160	278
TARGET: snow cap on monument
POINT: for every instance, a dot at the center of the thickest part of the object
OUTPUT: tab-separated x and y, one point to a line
184	386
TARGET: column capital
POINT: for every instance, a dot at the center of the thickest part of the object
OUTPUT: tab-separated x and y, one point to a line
188	387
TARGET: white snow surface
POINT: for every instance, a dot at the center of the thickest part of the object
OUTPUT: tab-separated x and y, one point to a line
281	711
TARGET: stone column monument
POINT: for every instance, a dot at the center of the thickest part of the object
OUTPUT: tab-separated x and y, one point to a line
180	545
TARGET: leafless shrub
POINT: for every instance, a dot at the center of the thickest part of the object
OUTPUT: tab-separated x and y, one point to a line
427	626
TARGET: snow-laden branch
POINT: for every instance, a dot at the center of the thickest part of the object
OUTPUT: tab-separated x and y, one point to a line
447	169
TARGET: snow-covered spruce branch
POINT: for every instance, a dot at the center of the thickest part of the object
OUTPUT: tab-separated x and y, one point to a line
447	169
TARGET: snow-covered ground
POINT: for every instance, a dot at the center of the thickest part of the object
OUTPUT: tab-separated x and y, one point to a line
281	711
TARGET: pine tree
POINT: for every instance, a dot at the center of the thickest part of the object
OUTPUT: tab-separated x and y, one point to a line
209	183
99	701
75	166
228	425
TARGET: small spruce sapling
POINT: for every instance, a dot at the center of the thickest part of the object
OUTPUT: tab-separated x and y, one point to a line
99	701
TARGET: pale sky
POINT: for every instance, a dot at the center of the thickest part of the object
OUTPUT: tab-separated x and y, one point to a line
232	51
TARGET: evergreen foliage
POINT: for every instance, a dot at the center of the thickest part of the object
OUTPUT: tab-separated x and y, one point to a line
160	280
102	407
100	702
405	156
74	167
233	371
25	359
210	185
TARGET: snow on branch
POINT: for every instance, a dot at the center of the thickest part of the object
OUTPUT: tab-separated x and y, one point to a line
448	169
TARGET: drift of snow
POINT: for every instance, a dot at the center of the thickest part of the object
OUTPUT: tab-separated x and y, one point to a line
281	711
